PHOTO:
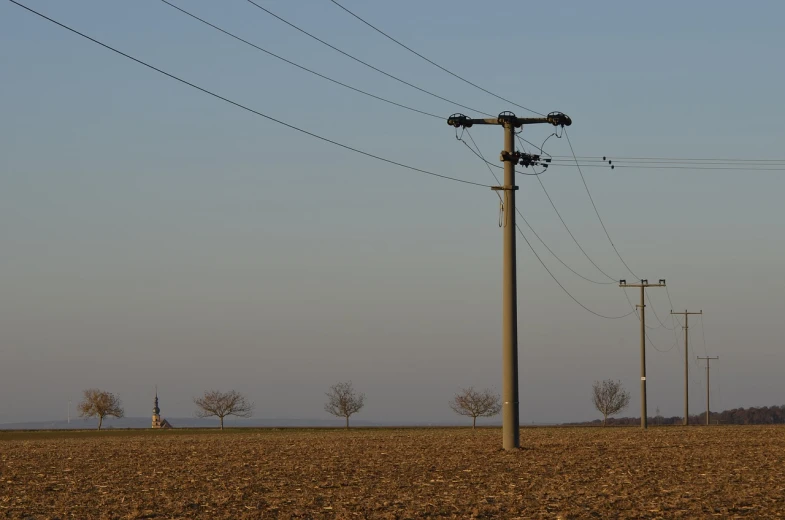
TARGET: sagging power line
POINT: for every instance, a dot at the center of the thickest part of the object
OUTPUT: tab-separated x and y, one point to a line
478	153
366	64
451	73
248	109
306	69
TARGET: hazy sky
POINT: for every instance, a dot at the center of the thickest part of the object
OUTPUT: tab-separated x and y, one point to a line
154	235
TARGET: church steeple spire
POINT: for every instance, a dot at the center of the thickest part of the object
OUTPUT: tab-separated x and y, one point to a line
156	410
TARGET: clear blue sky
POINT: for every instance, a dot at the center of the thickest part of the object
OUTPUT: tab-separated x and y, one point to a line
152	234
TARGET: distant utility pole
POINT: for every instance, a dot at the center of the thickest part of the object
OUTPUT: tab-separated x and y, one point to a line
510	158
69	411
686	364
643	285
708	384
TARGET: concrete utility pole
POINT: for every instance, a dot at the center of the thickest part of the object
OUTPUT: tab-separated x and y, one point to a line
643	285
510	158
686	364
708	384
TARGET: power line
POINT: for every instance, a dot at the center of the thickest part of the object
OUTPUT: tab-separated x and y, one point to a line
603	227
520	231
433	62
674	320
571	234
637	315
703	335
632	306
306	69
616	162
652	345
668	164
676	159
488	165
651	342
535	146
358	60
657	167
686	166
487	162
668	294
720	406
562	286
698	381
567	135
595	210
227	100
655	312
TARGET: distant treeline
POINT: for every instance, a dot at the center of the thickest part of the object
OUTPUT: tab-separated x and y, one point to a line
752	415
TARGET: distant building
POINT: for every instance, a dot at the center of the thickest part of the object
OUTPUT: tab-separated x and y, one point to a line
157	421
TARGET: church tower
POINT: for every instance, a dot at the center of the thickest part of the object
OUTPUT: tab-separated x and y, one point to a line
156	411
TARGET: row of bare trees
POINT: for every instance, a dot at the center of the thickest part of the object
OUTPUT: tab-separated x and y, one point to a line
342	401
100	404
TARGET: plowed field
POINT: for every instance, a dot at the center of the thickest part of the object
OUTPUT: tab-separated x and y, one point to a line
667	472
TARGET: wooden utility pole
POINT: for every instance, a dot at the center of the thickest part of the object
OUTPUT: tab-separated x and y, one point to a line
643	285
510	158
686	364
708	384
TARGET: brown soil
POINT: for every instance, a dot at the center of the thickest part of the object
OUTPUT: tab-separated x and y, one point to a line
668	472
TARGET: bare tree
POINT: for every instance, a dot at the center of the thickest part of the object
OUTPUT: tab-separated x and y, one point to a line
215	403
609	398
474	403
343	401
97	403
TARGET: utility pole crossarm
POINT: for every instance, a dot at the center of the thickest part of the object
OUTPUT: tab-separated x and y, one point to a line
510	122
554	118
643	284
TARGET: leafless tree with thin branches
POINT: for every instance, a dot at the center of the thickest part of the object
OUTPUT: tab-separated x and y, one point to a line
343	401
610	398
215	403
475	403
97	403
